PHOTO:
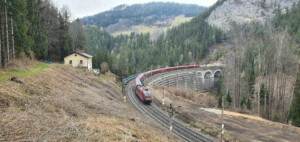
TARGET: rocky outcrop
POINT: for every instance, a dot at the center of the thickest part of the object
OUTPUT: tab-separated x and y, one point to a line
246	11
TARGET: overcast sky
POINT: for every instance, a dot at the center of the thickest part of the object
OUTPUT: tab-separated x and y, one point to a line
81	8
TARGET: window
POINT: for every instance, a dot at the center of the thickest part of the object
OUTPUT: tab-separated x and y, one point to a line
81	62
70	62
75	55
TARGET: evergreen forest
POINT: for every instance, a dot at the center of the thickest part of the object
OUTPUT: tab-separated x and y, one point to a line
37	29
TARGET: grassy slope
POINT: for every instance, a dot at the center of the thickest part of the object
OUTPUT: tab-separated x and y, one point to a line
21	73
180	19
63	103
150	29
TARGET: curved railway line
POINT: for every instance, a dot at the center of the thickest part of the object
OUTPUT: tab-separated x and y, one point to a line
153	112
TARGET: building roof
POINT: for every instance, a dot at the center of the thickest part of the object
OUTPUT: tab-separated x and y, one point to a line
83	54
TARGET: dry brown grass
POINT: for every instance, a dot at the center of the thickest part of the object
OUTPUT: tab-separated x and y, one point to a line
67	104
23	63
203	99
180	92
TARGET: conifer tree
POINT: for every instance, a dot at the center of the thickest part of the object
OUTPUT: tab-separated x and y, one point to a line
220	91
295	107
228	99
77	34
64	40
37	29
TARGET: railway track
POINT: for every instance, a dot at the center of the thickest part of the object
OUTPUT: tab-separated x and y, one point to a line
153	112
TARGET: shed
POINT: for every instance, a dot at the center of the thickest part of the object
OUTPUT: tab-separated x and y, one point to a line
79	59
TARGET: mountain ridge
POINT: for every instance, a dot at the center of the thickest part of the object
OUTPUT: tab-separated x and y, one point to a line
122	17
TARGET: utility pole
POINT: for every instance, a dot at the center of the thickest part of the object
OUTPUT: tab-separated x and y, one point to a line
163	99
123	92
195	89
168	83
222	121
185	83
171	115
177	78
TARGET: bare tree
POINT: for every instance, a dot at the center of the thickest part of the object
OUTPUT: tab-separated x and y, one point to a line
275	61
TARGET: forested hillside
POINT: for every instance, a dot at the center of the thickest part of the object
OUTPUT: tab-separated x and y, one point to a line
291	22
128	55
38	29
262	66
142	13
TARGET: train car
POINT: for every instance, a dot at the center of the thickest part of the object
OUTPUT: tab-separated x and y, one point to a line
143	93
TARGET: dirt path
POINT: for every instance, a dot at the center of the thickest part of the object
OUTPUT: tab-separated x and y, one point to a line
238	127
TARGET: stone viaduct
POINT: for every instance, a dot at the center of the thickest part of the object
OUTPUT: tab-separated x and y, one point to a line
203	78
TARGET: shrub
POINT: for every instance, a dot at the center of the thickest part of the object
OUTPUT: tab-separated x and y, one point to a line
104	67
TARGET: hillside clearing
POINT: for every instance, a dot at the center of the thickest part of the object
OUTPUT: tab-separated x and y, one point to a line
68	104
180	19
152	29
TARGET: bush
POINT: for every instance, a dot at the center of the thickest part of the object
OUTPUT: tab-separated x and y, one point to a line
228	100
276	117
104	67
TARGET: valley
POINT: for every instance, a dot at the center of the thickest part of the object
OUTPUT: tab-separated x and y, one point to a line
240	56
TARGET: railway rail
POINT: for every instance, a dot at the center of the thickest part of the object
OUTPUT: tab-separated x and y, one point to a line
153	112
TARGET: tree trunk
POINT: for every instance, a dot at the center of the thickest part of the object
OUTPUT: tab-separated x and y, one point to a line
3	57
265	101
235	92
0	39
239	88
258	104
292	96
12	36
6	32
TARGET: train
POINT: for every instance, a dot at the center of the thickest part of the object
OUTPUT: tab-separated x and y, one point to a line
142	92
